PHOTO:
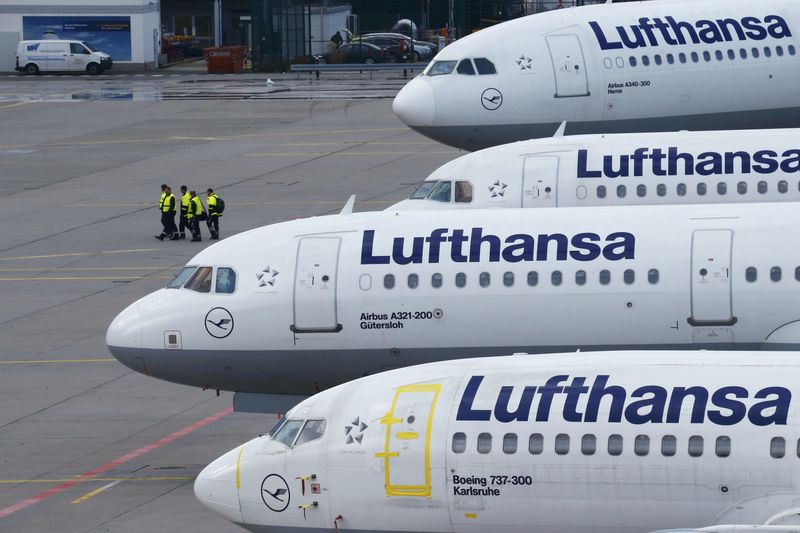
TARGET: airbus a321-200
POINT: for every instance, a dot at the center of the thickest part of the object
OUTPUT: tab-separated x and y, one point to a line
628	67
301	306
570	443
620	169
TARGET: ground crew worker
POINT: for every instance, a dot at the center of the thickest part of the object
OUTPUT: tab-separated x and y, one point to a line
213	215
161	210
194	215
185	199
168	217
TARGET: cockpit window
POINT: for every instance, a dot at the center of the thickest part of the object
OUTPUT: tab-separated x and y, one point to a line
286	434
484	66
463	192
182	276
441	192
200	280
465	67
277	426
226	280
313	430
440	68
423	190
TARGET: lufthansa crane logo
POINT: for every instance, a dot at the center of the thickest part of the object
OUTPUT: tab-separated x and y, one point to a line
219	323
491	99
275	493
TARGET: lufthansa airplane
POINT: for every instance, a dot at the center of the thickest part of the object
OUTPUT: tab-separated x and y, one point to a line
620	169
301	306
609	443
628	67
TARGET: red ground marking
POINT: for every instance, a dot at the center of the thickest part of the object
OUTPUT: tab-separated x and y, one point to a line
113	464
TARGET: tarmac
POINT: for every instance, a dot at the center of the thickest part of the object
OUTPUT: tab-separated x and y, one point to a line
85	443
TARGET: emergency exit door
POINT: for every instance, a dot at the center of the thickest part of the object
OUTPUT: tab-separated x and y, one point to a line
407	448
315	285
568	65
711	286
540	181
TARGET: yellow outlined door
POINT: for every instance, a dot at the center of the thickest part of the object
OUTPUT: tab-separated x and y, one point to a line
407	449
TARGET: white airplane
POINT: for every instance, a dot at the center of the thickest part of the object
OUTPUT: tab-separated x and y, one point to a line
620	442
620	169
301	306
628	67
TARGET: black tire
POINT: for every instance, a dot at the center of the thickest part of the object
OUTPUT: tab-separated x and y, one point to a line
94	69
31	69
369	61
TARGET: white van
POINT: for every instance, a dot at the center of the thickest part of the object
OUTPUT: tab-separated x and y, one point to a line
34	57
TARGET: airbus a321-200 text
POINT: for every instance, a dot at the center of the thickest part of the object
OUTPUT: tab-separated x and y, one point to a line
628	67
611	443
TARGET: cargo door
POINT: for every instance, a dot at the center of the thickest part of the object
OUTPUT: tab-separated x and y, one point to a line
540	181
568	66
407	447
315	285
711	278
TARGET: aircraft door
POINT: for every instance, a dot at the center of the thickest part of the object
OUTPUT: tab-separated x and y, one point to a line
568	65
540	181
711	278
407	448
315	285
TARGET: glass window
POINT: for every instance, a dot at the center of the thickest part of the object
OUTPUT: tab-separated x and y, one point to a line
681	189
657	59
556	277
413	281
718	55
533	278
365	282
562	444
423	189
601	191
783	186
751	274
779	51
762	187
484	279
701	189
200	280
484	442
777	447
484	66
614	444
695	446
510	443
388	281
508	279
536	444
722	188
77	48
459	442
707	56
743	53
670	59
669	445
441	191
792	50
286	434
440	68
629	276
682	57
661	190
695	57
436	280
607	62
620	62
797	273
767	51
588	444
731	54
741	187
755	52
580	277
461	280
226	280
652	276
465	67
641	191
463	192
313	430
621	191
641	445
723	446
277	426
775	273
182	276
605	277
632	61
646	61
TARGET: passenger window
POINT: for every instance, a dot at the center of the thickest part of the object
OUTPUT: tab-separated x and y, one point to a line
767	51
436	280
695	57
463	192
645	61
783	186
588	444
607	62
762	187
413	281
465	67
669	445
288	431
605	277
661	190
722	188
723	447
695	446
779	51
641	445
601	191
440	68
681	190
484	442
536	444
365	282
441	191
629	276
226	280
755	52
580	277
388	281
200	280
533	278
620	62
718	54
459	443
182	276
556	278
510	443
484	279
777	447
701	189
313	430
632	61
615	444
670	59
797	274
707	56
791	49
508	279
751	274
423	190
741	187
652	276
657	59
484	66
682	57
731	55
461	280
641	191
743	53
775	273
621	191
562	444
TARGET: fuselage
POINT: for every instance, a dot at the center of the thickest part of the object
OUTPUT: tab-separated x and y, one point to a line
574	443
620	169
305	305
629	67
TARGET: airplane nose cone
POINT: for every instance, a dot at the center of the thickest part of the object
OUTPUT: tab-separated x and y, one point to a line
124	338
415	104
216	486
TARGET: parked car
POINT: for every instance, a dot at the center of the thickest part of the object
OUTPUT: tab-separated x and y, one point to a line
401	46
34	57
357	52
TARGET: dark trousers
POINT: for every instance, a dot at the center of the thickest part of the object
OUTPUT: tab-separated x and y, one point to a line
213	225
168	222
194	226
185	223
